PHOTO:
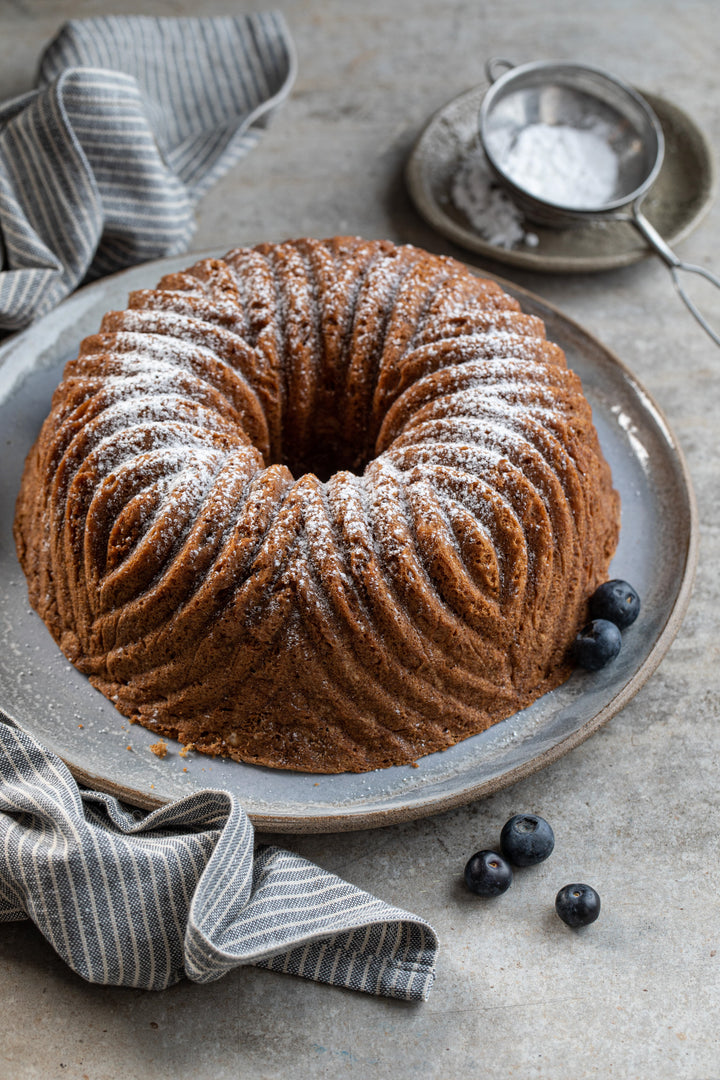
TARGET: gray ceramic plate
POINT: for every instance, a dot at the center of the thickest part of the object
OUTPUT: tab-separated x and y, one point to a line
42	693
680	196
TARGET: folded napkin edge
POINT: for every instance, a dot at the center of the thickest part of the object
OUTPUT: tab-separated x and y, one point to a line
262	955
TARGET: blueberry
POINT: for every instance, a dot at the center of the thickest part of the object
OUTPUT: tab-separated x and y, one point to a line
487	874
597	644
616	601
577	905
526	839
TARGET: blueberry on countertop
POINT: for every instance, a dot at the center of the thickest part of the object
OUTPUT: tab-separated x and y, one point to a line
577	905
616	601
487	874
597	644
526	839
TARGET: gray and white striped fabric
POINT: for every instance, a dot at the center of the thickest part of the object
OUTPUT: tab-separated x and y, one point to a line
133	119
141	900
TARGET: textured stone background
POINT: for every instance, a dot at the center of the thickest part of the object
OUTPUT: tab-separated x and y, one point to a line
635	808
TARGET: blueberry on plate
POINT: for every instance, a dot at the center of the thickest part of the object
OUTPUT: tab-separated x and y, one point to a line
597	644
616	601
487	874
577	905
526	839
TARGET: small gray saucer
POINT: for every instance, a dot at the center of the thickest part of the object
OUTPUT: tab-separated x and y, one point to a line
679	198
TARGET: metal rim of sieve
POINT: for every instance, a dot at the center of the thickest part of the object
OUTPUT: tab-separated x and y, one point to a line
644	132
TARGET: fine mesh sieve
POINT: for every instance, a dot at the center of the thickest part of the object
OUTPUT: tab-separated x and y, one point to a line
604	116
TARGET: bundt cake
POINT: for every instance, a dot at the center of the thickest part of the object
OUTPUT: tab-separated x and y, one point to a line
321	505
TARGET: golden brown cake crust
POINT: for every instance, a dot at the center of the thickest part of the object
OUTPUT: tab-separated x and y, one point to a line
323	505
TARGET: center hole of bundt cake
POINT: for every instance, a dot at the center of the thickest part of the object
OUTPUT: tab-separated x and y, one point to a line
325	447
324	462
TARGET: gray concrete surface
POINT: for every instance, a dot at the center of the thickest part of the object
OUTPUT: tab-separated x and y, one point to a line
636	807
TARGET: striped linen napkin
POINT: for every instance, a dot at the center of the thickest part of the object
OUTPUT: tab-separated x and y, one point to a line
132	120
134	899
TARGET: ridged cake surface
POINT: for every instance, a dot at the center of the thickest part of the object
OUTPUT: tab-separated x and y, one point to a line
321	505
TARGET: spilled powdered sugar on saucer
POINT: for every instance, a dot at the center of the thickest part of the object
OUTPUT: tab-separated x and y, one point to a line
487	206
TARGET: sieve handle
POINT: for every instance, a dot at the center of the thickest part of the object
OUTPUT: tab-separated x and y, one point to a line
676	265
496	66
